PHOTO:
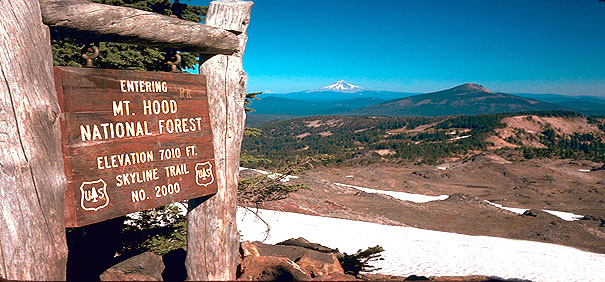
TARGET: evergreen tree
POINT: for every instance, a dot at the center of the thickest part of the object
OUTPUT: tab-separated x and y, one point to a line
66	48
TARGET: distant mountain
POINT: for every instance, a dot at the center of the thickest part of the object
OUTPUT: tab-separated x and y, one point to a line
340	90
588	105
556	98
591	108
340	86
336	98
466	99
278	105
345	98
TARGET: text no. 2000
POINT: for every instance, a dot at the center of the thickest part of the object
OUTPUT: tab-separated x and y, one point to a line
160	191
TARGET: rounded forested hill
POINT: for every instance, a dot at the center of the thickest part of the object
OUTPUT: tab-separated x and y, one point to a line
466	99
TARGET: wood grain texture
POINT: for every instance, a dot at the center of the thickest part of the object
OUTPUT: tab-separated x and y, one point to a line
99	22
32	184
93	98
212	234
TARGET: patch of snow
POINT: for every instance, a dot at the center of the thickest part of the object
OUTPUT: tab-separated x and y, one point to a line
131	217
562	215
515	210
417	251
565	215
416	198
459	137
446	166
340	86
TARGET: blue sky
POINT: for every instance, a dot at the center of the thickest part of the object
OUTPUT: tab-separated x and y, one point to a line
513	46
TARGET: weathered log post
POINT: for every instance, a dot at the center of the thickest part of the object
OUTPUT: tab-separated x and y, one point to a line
212	234
32	183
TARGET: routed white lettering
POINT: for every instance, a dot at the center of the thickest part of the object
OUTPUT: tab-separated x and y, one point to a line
126	159
104	131
179	125
156	107
143	86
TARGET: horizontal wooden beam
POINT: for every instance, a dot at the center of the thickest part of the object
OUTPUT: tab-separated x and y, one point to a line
99	22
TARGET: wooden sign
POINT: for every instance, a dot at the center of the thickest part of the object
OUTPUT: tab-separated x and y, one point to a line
132	141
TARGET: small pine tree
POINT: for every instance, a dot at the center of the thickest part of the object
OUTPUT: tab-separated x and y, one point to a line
360	261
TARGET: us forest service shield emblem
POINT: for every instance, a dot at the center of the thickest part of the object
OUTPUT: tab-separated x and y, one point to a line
203	174
94	195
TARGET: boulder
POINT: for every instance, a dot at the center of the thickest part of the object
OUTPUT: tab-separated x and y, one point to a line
270	268
292	252
531	213
320	264
302	242
315	263
296	259
246	249
144	267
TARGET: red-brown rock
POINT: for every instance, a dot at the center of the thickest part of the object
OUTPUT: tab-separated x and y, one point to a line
144	267
315	263
246	249
269	268
320	264
336	277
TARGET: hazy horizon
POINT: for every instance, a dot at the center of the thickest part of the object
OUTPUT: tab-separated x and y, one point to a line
423	92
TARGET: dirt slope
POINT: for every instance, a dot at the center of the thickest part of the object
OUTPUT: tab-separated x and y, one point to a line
536	184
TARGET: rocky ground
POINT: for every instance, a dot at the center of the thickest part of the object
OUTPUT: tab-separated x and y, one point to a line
560	185
291	260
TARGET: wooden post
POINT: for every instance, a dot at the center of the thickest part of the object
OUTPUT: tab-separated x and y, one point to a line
212	234
32	183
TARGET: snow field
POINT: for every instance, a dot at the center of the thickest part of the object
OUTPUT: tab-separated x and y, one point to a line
425	252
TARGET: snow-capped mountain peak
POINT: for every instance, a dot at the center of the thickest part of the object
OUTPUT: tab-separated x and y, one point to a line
341	86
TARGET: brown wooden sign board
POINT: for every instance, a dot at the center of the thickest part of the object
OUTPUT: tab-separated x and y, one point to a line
132	141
